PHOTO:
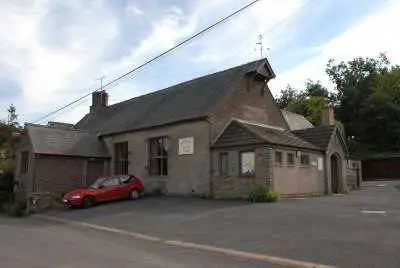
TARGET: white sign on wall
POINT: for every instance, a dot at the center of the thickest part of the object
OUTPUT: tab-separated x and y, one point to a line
186	146
320	164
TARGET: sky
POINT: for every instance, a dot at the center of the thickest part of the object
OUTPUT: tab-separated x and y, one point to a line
52	51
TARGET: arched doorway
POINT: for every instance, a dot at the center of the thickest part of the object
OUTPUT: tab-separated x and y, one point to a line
335	173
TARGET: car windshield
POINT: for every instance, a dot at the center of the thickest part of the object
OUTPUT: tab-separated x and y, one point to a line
97	183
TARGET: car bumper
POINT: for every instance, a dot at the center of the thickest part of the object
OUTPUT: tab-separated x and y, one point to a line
72	202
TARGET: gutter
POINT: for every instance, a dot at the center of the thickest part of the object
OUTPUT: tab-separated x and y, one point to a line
194	119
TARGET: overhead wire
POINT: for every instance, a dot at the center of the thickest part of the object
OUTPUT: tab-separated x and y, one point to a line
149	61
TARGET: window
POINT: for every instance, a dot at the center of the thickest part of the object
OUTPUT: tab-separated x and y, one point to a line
24	162
278	158
126	179
158	156
111	182
223	163
290	159
247	163
305	160
121	158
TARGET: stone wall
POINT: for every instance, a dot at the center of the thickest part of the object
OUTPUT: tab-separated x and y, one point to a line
24	180
187	174
248	101
233	185
353	174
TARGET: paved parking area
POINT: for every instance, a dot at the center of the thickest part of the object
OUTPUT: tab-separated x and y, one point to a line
361	229
35	243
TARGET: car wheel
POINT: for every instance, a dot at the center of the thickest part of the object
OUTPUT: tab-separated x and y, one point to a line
134	194
88	202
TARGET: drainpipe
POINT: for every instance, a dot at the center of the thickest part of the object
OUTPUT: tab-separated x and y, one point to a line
210	180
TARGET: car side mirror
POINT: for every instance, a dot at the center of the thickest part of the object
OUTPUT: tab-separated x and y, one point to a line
101	186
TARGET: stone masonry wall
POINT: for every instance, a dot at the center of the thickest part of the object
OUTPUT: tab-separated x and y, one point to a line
233	185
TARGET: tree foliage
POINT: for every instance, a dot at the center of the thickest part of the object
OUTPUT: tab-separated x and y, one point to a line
9	137
366	99
309	101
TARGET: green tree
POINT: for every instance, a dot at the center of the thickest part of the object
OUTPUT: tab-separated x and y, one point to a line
381	114
9	138
353	88
286	97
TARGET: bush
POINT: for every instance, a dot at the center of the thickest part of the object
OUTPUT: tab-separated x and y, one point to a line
263	194
15	209
7	182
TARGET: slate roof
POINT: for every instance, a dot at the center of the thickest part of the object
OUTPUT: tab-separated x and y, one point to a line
189	100
319	136
54	141
296	121
266	134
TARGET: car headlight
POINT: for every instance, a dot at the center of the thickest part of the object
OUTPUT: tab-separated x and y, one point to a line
77	196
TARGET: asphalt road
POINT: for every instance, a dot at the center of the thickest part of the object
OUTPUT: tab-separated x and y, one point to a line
361	229
34	243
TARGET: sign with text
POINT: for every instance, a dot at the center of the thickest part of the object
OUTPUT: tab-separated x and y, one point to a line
320	164
186	146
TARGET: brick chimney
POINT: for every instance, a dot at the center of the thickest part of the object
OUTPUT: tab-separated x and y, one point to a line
99	100
328	116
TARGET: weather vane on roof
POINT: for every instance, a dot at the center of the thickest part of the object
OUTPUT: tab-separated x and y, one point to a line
260	45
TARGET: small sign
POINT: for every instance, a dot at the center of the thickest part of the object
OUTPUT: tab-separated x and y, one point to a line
320	164
186	146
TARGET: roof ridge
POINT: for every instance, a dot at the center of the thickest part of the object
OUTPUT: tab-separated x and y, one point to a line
189	81
257	124
52	128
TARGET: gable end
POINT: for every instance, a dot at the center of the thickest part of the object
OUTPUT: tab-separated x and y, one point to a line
236	135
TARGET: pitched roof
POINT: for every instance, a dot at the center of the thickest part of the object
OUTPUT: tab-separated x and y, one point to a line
260	133
296	121
319	136
54	141
189	100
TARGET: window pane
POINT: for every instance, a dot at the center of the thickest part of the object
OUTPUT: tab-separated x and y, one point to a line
247	163
153	166
158	156
164	170
126	179
165	147
290	159
223	169
305	160
278	157
121	158
111	182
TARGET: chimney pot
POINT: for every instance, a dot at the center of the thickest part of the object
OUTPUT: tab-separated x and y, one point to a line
328	116
99	100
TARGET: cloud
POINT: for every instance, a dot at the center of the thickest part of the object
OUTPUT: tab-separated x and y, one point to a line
134	10
374	34
58	48
238	41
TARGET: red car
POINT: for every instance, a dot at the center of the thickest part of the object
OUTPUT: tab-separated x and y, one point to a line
105	189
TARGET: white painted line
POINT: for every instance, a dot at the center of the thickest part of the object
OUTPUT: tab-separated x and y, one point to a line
290	263
366	211
381	185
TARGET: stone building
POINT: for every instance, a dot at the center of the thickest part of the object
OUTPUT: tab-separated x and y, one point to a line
216	135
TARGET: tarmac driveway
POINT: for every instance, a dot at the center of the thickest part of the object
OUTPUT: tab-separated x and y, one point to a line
361	229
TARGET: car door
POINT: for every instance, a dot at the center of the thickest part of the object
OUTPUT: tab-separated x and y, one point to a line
126	185
110	189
